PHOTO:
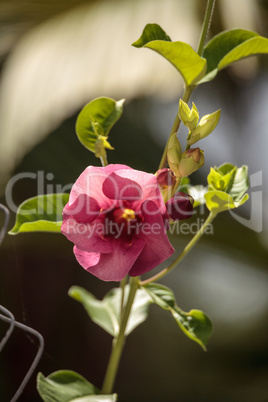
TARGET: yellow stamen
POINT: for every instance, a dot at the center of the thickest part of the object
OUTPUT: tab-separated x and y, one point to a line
128	214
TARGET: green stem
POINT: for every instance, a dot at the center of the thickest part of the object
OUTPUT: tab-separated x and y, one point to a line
103	159
206	25
186	250
119	341
175	127
122	286
188	90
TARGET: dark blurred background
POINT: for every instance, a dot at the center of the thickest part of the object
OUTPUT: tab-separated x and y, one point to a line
57	56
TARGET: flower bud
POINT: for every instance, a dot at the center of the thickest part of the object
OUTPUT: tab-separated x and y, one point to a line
165	178
188	117
180	206
174	154
191	160
207	124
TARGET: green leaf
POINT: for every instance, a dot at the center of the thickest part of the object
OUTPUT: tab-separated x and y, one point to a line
40	214
100	312
161	295
225	168
106	312
189	64
227	187
97	398
151	32
240	183
219	201
195	324
95	121
229	47
64	386
221	181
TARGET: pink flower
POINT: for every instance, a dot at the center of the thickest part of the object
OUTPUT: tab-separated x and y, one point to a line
116	218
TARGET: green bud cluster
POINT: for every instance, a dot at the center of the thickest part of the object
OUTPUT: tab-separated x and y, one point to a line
190	118
183	164
174	154
191	160
206	125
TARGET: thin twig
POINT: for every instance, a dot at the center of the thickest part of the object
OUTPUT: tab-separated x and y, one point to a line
206	26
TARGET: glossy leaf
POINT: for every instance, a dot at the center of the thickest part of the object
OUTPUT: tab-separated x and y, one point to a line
106	312
195	324
229	47
95	121
189	64
40	214
64	386
151	32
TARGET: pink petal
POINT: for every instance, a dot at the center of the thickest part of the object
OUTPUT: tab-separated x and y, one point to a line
114	167
84	209
90	183
157	246
113	266
87	237
85	258
120	188
149	187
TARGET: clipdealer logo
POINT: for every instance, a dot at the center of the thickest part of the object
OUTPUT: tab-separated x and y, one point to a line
255	221
45	186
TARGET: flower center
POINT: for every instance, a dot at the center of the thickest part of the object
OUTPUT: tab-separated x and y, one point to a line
121	222
128	214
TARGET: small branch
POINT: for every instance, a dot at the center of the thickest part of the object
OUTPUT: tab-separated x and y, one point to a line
175	127
103	159
122	286
119	341
206	26
183	254
188	90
